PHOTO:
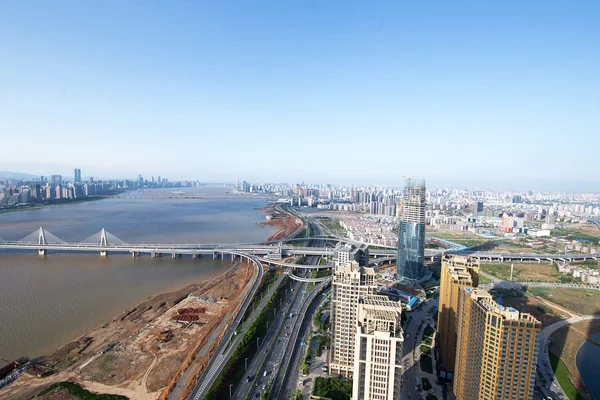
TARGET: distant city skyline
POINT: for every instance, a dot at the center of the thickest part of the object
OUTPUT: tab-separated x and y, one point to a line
573	185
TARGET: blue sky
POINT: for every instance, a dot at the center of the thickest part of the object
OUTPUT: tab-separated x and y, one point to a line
487	94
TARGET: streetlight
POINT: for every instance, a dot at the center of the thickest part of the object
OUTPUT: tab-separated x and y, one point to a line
257	341
230	386
274	311
267	325
246	364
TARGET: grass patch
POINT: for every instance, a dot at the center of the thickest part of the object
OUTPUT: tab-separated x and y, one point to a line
331	224
334	388
572	234
562	375
79	392
542	272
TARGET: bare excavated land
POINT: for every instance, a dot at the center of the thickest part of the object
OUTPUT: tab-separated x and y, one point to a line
140	353
286	222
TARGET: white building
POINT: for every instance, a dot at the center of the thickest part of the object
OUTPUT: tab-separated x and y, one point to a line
378	355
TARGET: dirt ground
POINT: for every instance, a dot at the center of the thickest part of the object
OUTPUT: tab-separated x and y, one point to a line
580	301
138	353
286	222
546	314
565	344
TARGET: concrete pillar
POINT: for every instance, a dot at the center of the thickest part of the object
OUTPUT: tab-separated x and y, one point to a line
214	255
42	252
173	255
194	256
103	253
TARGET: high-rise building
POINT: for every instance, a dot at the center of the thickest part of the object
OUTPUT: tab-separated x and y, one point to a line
350	282
378	354
411	233
457	272
497	349
77	176
477	207
55	180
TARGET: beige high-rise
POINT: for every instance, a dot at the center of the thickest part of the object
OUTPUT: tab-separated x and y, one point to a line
457	272
350	282
497	349
378	355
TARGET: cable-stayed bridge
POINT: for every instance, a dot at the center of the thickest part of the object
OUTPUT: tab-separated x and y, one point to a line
105	242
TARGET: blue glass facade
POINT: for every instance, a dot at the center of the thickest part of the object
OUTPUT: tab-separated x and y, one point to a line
411	251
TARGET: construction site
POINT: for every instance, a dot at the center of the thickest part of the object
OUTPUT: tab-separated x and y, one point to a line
145	352
286	222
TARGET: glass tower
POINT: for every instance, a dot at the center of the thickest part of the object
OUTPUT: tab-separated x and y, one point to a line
411	234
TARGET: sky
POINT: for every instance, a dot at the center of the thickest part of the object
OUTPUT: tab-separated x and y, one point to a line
481	93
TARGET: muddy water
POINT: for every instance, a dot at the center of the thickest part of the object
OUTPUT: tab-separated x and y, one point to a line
47	301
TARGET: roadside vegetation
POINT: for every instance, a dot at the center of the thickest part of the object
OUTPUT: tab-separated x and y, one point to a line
562	375
233	371
333	388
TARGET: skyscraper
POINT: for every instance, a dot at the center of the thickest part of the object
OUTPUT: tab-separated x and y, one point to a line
411	233
457	272
378	355
350	282
497	349
77	176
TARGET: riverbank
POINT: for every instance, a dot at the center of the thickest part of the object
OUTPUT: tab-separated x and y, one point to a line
138	353
565	344
285	221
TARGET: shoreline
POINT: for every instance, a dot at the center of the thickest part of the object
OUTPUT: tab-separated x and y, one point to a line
177	294
21	388
286	222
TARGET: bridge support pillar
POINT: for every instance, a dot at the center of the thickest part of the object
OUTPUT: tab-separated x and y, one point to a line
432	258
135	254
194	256
232	257
103	253
42	252
173	255
214	255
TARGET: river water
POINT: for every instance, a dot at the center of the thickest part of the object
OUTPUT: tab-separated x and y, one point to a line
45	302
588	364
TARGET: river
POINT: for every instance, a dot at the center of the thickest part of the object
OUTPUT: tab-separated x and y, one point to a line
45	302
588	364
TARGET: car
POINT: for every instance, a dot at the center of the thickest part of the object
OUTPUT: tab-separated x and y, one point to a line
265	373
264	387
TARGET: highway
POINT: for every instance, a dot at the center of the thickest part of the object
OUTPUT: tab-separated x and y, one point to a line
221	356
272	349
287	376
301	329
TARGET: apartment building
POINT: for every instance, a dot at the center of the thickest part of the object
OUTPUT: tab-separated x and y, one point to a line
497	349
378	344
457	272
349	283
